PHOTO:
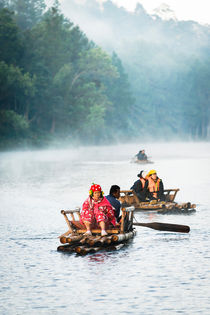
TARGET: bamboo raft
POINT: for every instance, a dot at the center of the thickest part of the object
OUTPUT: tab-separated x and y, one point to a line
169	206
135	160
74	240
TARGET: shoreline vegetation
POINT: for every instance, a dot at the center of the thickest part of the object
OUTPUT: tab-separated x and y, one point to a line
55	83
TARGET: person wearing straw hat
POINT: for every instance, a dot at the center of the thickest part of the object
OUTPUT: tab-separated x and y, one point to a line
140	186
155	188
97	210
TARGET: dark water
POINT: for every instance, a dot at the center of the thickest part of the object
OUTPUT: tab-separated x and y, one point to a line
157	273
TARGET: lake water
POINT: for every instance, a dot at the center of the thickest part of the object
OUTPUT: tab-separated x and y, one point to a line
157	273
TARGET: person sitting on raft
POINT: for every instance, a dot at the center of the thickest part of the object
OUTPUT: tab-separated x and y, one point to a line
155	189
114	194
141	155
140	186
97	208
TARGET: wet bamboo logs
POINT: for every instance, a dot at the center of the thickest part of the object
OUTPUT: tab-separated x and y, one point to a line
82	250
115	247
67	248
96	240
84	239
168	206
70	239
186	205
104	240
123	237
150	206
93	241
99	241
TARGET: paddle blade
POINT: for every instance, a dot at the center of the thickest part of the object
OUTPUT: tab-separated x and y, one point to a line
165	227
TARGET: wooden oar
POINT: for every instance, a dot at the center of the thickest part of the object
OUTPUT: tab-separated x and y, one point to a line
165	227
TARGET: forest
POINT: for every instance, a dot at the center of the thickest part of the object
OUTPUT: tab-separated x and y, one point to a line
58	82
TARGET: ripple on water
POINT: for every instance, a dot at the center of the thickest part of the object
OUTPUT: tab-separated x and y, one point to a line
157	273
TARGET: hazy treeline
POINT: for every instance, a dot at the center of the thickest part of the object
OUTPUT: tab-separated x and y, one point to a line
54	82
167	62
57	83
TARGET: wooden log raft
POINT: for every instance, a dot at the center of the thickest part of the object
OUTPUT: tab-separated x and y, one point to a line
175	208
130	198
75	240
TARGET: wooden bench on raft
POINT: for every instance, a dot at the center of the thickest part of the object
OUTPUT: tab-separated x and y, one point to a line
76	227
130	197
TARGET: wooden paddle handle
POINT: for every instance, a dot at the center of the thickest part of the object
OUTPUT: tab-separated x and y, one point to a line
165	227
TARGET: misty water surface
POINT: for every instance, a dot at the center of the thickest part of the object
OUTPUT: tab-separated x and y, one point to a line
157	273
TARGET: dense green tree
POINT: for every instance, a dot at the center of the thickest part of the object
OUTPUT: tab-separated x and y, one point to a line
54	82
16	89
120	116
51	45
27	12
158	56
196	109
4	4
10	41
13	128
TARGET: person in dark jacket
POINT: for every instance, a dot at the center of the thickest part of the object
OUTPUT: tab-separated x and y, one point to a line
140	186
114	194
141	155
154	187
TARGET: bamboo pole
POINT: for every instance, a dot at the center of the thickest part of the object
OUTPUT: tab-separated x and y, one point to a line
122	221
82	250
105	240
65	234
67	220
123	237
98	230
70	239
84	239
72	216
93	241
78	213
67	248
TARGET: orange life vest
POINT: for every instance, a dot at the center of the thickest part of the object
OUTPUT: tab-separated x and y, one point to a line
153	186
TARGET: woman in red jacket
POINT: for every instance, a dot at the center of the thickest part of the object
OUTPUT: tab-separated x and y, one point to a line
97	208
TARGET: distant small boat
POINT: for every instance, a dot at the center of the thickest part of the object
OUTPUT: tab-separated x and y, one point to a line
135	160
129	198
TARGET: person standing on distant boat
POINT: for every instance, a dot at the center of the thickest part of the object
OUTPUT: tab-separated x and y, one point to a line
141	155
155	188
114	194
97	209
140	186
